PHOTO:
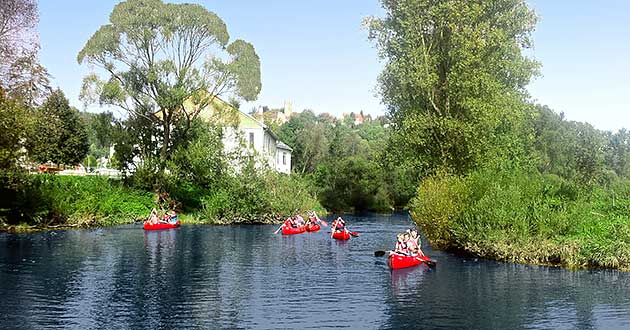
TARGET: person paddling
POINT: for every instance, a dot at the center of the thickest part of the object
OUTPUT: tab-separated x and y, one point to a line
414	240
172	216
339	225
154	218
288	223
401	245
299	221
311	220
412	246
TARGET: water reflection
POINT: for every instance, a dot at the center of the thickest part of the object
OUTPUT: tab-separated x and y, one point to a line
246	277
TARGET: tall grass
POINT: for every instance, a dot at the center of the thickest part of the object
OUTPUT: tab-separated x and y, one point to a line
257	198
80	201
523	216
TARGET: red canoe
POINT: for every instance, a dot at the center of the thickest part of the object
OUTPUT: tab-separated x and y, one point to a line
312	227
148	226
397	261
292	231
341	235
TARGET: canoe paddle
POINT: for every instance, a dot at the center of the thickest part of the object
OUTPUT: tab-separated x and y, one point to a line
320	220
277	230
380	253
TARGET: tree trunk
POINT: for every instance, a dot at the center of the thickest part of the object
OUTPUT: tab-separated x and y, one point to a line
166	138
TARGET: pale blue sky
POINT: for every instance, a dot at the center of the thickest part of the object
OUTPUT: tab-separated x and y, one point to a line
316	53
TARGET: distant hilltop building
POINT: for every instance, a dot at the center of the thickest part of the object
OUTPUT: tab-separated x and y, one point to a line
357	118
279	116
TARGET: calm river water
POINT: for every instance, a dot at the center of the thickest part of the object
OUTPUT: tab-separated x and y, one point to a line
245	277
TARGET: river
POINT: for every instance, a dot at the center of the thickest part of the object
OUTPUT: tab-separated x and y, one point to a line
245	277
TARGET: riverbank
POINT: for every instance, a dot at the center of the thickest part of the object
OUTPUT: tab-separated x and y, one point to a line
185	218
47	202
526	217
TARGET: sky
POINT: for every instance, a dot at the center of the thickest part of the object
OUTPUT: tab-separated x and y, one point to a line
316	54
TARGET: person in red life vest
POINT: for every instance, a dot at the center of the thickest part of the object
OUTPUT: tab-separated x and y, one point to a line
165	218
154	218
299	221
312	218
288	223
412	246
291	222
339	225
171	216
401	246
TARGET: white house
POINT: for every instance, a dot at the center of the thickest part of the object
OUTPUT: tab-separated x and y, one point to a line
256	136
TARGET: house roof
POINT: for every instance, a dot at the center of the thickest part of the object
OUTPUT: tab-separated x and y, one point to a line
258	122
282	145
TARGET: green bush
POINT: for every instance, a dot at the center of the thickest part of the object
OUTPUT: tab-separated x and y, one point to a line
523	216
52	199
254	196
440	200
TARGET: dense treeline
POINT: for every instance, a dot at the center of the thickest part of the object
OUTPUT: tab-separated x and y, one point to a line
501	178
346	162
168	156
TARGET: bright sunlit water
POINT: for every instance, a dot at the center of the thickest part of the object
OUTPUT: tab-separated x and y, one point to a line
245	277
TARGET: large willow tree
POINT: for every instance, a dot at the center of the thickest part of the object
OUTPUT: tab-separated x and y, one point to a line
454	79
158	55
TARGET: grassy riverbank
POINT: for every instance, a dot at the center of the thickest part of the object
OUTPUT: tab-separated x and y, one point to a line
527	217
40	202
49	201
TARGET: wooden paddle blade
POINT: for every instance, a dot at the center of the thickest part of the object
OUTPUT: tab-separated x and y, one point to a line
431	263
379	253
354	233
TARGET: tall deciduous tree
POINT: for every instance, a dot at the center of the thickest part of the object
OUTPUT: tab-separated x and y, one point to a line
58	133
21	75
13	123
158	55
18	19
455	78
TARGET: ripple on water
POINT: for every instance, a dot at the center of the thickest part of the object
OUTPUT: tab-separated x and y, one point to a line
247	277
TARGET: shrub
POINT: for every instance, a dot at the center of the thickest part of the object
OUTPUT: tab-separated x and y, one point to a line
523	216
50	199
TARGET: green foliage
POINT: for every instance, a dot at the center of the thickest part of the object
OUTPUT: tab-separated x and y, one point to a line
197	166
352	183
158	56
440	199
350	165
253	196
134	139
577	151
85	201
58	133
13	123
455	78
523	216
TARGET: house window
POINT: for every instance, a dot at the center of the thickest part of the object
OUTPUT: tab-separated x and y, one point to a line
251	139
284	158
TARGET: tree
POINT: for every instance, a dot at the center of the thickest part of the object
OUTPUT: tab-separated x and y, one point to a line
619	156
158	56
27	80
58	133
314	148
21	75
13	123
455	77
18	19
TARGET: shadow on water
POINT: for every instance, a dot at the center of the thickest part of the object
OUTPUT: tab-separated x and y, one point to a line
247	277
